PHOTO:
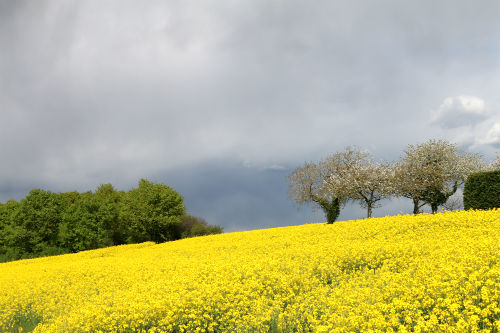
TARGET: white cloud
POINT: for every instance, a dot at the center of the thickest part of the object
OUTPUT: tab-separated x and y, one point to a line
460	111
492	137
469	122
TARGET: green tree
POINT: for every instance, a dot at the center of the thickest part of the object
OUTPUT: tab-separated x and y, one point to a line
482	190
153	212
191	226
35	224
84	225
111	202
435	197
7	210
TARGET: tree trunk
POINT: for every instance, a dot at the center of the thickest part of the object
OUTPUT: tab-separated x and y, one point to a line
369	203
416	208
434	207
331	209
435	197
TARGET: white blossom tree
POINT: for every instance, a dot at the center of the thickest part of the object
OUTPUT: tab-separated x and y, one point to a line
323	183
362	179
347	175
307	184
429	173
495	165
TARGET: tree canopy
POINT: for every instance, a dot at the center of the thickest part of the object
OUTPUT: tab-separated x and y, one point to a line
361	178
307	184
428	173
48	223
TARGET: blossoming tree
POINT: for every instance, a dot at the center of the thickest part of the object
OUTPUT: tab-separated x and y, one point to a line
431	172
362	179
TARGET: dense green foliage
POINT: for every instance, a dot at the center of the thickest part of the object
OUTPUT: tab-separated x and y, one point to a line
482	190
153	212
48	223
192	226
436	197
331	209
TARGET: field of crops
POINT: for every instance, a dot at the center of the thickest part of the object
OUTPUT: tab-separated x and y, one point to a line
424	273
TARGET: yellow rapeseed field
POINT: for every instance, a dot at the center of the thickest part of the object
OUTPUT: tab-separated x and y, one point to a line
424	273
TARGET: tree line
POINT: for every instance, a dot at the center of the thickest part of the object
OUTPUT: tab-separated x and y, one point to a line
48	223
427	174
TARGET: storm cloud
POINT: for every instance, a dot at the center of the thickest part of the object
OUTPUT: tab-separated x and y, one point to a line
222	100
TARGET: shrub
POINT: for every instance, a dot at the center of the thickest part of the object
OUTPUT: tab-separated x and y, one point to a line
482	190
192	226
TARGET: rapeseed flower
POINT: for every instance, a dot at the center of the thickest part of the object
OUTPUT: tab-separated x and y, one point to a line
405	273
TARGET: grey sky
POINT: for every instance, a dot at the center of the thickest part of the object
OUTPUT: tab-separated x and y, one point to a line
222	99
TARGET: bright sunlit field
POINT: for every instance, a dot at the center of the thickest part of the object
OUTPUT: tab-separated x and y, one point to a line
424	273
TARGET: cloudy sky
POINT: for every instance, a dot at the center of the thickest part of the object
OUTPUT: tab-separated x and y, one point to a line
223	99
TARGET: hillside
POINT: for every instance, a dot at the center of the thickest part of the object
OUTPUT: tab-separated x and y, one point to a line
422	273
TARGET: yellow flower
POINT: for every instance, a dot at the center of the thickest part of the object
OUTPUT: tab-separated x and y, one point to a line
426	273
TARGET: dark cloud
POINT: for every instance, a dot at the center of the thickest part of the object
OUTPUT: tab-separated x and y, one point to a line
97	92
239	197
